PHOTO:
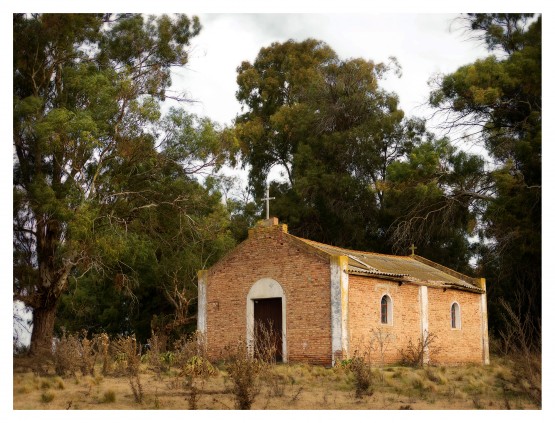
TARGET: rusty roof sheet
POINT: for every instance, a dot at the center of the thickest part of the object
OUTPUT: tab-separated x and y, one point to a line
398	267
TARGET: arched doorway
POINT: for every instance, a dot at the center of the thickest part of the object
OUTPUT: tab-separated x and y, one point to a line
266	307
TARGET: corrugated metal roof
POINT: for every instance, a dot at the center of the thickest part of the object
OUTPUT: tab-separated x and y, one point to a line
403	267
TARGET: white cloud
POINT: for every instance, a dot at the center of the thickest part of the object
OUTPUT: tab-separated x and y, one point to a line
422	43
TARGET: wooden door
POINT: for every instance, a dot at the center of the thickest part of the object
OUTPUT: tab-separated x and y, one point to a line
268	327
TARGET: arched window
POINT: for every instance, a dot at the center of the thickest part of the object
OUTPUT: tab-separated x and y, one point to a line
455	316
386	310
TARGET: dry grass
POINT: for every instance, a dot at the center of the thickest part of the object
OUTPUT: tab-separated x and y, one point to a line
295	387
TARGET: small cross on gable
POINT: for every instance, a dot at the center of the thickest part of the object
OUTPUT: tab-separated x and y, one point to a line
412	248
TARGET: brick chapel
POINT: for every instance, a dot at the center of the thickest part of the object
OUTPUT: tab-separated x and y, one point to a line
325	303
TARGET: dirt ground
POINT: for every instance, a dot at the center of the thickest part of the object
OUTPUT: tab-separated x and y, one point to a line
283	387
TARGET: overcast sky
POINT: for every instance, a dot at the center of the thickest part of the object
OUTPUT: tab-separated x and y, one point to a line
424	44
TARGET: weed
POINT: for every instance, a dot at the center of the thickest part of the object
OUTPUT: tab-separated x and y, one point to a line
60	384
103	343
477	403
518	339
109	397
47	397
418	354
244	370
136	388
67	354
383	340
198	367
88	354
363	376
276	384
157	403
187	347
128	355
435	376
192	398
295	397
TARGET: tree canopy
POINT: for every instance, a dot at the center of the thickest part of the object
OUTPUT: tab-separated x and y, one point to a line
497	101
346	149
115	205
93	159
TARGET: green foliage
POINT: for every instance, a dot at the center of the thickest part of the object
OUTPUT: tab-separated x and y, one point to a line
358	173
501	96
104	197
332	130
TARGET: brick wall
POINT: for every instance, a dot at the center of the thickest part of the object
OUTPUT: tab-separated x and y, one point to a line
451	346
367	333
305	278
304	274
455	346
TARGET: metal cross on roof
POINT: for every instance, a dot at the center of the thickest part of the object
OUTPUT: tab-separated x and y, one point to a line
412	248
267	199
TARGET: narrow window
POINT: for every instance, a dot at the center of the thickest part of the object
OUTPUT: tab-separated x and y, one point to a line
386	309
455	316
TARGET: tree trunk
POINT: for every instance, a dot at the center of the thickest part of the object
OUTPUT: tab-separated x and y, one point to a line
43	331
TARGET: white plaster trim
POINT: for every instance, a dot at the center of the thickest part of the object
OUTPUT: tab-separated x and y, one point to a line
201	314
336	316
485	336
458	316
389	309
423	297
266	288
344	307
339	295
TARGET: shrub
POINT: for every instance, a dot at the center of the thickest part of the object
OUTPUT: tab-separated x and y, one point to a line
67	354
414	355
128	354
109	397
136	387
103	345
47	397
88	354
199	367
244	369
187	347
362	371
519	338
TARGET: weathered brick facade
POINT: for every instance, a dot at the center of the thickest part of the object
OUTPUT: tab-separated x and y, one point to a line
304	276
331	309
367	333
462	345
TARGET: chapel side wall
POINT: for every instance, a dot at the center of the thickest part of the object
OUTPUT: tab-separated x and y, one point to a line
365	325
455	346
305	279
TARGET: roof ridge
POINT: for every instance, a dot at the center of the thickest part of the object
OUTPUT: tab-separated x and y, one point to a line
309	241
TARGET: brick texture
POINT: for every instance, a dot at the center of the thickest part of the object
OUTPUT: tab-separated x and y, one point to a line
455	346
367	333
383	341
305	278
304	275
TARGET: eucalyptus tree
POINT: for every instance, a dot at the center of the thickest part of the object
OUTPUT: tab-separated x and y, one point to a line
497	102
333	130
87	93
